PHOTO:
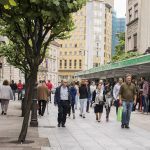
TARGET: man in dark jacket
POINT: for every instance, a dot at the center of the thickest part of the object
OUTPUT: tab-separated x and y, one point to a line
13	86
62	99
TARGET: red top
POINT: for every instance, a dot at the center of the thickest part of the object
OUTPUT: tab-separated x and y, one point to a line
20	86
49	85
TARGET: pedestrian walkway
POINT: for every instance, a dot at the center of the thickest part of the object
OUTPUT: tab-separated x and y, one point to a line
79	134
87	134
10	127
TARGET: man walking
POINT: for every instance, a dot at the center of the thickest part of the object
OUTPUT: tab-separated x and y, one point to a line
116	93
145	95
50	86
62	99
13	86
42	95
19	88
127	98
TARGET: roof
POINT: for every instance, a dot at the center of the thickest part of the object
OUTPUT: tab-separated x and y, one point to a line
135	66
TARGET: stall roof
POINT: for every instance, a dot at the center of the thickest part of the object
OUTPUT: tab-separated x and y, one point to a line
135	66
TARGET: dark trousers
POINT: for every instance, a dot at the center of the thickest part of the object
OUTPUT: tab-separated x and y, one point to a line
107	111
88	105
116	103
71	108
42	106
63	109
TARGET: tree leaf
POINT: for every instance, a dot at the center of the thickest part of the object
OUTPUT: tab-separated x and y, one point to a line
12	3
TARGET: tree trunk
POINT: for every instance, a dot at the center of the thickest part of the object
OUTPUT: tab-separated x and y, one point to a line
24	101
30	89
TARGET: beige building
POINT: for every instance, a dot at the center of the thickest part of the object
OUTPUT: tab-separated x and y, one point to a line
48	70
138	25
90	43
72	51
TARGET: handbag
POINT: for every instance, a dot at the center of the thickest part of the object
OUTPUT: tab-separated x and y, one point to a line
101	102
119	115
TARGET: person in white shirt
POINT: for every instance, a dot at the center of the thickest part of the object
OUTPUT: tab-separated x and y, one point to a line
92	89
116	93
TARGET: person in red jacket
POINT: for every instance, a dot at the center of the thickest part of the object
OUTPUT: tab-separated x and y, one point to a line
50	86
19	88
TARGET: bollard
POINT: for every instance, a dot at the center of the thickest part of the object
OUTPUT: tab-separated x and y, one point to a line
34	120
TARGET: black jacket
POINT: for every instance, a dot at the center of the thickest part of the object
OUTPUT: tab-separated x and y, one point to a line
83	91
57	95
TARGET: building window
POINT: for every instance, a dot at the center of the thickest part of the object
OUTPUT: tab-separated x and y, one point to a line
70	53
80	53
75	45
130	15
61	45
60	53
135	41
65	63
70	63
129	43
80	63
75	63
60	63
135	11
75	53
65	53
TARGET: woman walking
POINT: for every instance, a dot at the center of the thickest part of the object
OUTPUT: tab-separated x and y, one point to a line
83	98
6	94
108	99
98	99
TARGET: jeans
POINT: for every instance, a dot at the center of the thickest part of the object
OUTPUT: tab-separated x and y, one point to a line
146	106
127	109
76	102
19	95
14	94
116	103
4	105
83	104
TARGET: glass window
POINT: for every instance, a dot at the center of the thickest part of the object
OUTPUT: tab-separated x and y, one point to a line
135	11
130	15
129	43
60	63
135	41
65	63
80	63
70	63
75	63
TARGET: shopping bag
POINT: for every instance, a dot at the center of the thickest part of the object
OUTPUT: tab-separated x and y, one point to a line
119	115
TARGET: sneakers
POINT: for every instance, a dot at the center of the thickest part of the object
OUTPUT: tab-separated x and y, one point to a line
58	125
83	116
73	116
80	115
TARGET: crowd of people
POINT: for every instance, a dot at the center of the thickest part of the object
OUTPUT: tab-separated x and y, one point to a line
129	93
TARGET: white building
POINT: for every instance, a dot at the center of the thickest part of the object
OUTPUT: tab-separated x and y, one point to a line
138	25
98	32
48	70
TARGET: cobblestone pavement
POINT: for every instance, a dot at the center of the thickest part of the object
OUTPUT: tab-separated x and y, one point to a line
87	134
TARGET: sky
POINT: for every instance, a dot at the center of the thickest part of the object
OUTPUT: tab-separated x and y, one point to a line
120	7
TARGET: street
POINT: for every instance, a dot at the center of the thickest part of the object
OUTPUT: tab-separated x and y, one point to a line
87	134
79	134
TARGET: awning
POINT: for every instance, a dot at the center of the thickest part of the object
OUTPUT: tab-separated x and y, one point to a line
134	66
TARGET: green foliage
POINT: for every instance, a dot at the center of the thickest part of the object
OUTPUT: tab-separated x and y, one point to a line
7	3
31	25
120	53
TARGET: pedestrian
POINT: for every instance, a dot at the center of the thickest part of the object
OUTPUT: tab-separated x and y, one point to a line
77	94
92	89
62	99
83	96
89	99
6	94
108	99
145	95
13	86
42	95
73	93
19	88
116	93
98	100
50	86
127	99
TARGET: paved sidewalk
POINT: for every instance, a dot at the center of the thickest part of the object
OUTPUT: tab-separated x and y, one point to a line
87	134
10	127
